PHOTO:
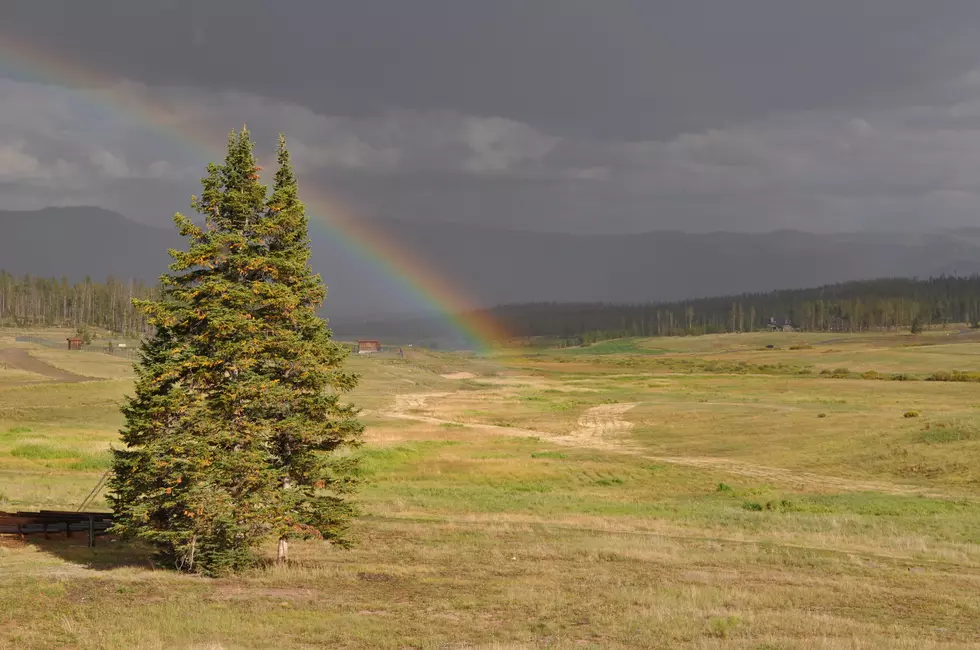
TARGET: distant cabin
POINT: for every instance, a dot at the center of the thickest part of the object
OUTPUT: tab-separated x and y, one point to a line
366	347
75	344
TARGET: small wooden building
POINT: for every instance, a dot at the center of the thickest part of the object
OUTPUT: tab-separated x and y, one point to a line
365	347
75	344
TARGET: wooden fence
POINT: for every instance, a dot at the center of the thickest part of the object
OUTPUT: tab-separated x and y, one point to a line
46	522
104	348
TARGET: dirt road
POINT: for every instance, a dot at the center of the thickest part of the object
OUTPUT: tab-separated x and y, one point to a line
20	359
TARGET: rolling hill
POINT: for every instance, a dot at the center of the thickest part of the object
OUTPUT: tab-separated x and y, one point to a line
497	266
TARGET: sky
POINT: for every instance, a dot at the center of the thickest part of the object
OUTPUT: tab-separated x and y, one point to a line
549	115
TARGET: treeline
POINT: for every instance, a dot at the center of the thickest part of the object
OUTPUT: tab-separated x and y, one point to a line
27	301
886	304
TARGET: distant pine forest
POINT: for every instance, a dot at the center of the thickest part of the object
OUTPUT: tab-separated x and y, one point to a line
868	305
27	301
884	304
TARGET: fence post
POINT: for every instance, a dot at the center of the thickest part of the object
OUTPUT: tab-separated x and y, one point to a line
91	531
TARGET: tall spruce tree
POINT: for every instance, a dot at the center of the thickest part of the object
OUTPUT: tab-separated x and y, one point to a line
236	432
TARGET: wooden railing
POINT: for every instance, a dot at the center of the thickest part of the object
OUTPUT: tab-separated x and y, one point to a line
46	522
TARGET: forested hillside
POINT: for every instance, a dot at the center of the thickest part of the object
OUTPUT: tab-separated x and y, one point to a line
894	303
32	302
493	266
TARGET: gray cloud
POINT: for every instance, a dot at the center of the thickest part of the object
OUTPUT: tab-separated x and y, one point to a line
624	68
629	116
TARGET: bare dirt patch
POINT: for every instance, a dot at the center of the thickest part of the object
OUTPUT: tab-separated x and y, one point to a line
413	407
459	375
604	419
20	359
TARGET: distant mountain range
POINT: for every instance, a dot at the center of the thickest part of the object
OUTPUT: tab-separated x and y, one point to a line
83	241
498	266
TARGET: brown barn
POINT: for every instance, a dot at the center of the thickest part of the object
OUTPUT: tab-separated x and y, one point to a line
75	344
364	347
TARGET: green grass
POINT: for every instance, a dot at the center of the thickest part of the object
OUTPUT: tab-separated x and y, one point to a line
960	430
555	455
615	346
40	452
385	460
731	514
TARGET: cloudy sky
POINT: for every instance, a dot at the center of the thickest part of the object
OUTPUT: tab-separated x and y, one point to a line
551	115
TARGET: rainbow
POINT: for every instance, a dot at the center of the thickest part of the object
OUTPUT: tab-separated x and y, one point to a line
327	214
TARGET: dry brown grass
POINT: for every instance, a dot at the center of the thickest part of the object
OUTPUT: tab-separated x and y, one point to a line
553	502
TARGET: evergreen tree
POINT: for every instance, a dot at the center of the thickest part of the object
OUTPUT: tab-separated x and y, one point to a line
236	428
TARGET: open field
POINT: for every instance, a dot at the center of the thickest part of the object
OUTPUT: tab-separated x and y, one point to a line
706	492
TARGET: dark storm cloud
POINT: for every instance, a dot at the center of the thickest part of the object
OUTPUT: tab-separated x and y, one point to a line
550	115
634	69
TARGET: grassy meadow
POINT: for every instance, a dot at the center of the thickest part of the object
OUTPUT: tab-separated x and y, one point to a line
704	492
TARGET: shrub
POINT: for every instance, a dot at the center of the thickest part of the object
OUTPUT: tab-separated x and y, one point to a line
956	375
870	374
724	487
723	626
548	454
901	376
821	415
782	505
911	414
606	482
946	432
85	334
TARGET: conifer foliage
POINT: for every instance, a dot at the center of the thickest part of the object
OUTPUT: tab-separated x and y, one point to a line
236	432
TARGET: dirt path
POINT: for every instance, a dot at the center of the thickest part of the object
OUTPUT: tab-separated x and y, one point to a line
459	375
604	419
405	404
601	427
20	359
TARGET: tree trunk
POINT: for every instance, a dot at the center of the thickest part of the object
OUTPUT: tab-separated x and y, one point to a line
283	550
